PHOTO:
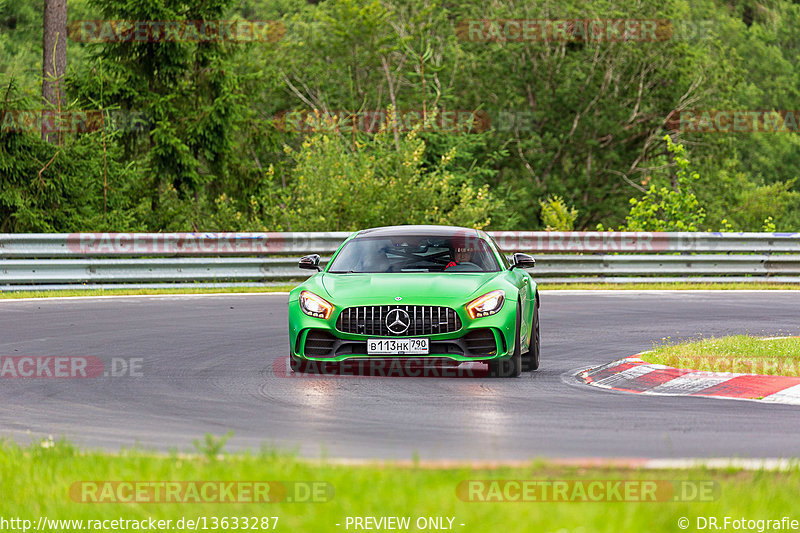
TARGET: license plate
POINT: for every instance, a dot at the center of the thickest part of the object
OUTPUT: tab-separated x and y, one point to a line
397	346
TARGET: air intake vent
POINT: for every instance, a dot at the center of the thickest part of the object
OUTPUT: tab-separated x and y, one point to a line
319	343
480	342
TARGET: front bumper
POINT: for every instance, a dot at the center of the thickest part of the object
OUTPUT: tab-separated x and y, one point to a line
481	339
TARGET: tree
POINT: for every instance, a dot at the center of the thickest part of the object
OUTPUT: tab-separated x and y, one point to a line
54	60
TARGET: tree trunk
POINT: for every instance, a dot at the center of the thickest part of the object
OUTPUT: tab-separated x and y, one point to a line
54	63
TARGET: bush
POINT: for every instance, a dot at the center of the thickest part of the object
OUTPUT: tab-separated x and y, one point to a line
341	184
668	208
557	215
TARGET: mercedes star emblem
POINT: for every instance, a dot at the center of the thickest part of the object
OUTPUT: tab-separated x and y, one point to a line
397	321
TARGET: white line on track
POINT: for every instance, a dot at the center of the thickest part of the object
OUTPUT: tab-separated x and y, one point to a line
661	291
770	463
548	292
173	296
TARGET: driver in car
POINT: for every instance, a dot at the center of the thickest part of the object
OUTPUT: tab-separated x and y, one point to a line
462	253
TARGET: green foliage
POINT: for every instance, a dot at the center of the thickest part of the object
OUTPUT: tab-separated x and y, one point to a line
735	202
581	121
211	446
191	98
46	188
341	185
669	208
557	215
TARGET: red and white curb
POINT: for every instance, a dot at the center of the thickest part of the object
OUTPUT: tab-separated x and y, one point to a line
634	375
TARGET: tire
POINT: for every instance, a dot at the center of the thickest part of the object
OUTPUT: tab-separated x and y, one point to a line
511	367
530	360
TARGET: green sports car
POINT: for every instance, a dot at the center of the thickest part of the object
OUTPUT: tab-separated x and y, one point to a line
437	293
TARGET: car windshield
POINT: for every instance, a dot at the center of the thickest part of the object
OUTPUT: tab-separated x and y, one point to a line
415	253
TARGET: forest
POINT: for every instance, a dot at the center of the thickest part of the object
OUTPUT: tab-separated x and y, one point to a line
335	115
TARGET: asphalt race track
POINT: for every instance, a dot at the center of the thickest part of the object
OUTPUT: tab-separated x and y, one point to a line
207	366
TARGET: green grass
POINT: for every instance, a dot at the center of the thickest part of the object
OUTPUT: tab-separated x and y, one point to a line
739	353
543	285
137	292
35	481
688	286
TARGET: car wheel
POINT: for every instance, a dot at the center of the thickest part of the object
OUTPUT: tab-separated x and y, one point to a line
512	366
530	360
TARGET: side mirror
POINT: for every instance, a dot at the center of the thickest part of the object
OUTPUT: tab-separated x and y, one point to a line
310	262
522	261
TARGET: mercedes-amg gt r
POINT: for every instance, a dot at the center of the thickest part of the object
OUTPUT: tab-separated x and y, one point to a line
429	292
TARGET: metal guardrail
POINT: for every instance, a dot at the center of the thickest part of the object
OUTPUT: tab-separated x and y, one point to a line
59	245
53	245
104	259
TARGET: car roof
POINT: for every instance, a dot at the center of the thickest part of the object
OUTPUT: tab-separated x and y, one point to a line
425	230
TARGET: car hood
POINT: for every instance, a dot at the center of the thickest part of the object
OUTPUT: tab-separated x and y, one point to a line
414	288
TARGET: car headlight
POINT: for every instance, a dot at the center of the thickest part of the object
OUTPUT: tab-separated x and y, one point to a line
488	304
313	305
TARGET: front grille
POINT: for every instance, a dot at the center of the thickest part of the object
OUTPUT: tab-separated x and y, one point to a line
423	320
